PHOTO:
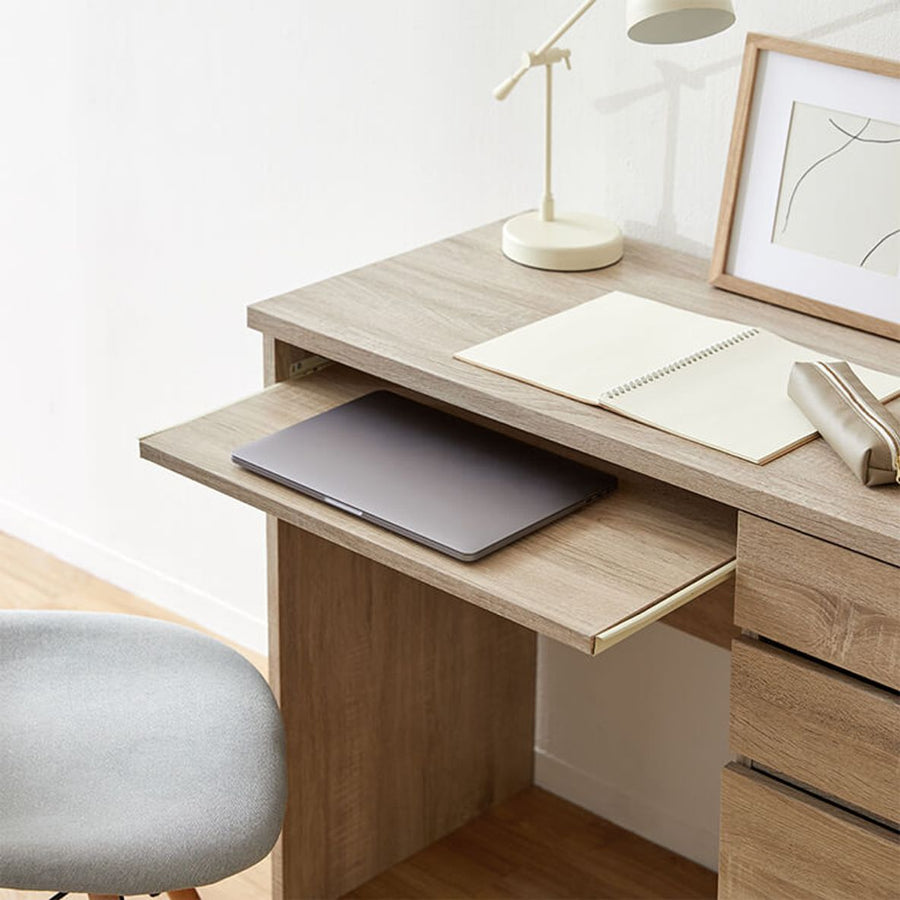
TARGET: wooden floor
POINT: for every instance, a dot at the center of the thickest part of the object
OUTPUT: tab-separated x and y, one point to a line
537	845
533	846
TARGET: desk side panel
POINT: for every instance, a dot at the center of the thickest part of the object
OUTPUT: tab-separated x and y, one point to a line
408	712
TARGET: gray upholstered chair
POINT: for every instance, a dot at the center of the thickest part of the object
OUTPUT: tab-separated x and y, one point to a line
136	756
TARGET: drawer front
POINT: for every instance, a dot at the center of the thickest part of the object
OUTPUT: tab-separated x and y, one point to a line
818	598
825	729
777	842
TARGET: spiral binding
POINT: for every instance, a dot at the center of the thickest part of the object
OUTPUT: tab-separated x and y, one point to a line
678	364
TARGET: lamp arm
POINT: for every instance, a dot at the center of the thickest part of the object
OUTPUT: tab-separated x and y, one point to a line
566	26
502	91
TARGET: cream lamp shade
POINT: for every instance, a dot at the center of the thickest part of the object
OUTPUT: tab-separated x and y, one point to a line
572	241
676	21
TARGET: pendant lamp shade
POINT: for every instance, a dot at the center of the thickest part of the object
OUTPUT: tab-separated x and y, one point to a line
676	21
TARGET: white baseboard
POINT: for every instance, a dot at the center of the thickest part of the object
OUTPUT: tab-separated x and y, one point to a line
134	577
635	814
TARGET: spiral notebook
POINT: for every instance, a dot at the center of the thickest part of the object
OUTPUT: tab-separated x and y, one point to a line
709	380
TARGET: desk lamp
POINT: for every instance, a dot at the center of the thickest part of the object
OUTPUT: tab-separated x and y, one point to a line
574	241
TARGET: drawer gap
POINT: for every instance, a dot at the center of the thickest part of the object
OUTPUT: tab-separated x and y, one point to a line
824	664
818	794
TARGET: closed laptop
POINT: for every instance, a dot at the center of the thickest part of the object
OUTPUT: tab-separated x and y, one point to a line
449	484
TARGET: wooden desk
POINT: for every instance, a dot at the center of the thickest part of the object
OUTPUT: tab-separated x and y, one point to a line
406	678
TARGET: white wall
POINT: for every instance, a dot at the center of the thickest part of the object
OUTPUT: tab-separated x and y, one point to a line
164	163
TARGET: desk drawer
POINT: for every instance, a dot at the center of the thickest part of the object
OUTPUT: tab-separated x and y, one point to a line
778	843
817	726
819	598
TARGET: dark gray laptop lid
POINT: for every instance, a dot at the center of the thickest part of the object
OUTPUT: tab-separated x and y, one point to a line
452	485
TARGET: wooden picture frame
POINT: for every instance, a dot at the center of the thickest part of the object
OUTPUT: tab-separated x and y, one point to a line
782	86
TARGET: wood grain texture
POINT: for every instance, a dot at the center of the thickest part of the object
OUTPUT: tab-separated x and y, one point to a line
718	275
273	612
836	605
570	580
767	294
402	319
735	161
778	843
834	56
537	845
821	728
278	358
710	617
276	365
407	713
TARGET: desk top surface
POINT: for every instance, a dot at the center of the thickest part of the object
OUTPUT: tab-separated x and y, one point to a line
402	320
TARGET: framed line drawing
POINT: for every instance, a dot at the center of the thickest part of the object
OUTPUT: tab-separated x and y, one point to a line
810	212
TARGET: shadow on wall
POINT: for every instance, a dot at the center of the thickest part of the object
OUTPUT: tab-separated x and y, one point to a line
673	81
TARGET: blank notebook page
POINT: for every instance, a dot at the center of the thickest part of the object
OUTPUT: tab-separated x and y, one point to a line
716	382
591	348
736	400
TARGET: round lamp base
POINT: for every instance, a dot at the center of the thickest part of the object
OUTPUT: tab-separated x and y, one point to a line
572	242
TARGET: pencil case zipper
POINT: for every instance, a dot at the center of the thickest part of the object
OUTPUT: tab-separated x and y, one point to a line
869	415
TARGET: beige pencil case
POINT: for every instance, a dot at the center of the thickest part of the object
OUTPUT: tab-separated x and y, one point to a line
857	426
